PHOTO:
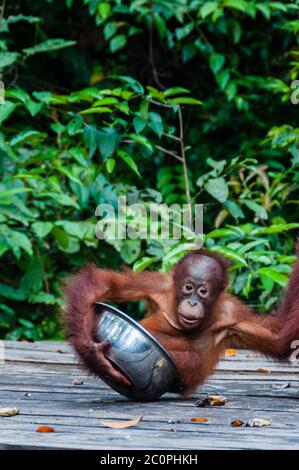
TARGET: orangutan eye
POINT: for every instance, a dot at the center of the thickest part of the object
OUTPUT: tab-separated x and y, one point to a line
188	288
203	292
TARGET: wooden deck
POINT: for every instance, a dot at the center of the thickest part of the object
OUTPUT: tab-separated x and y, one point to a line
38	380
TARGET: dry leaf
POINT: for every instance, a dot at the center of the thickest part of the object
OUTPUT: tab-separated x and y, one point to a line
121	424
230	352
258	423
7	412
199	420
45	429
261	370
76	382
237	423
211	400
281	386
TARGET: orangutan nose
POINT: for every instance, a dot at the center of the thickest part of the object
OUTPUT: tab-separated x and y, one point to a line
192	303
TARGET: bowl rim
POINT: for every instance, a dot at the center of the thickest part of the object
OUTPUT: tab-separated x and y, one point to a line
139	327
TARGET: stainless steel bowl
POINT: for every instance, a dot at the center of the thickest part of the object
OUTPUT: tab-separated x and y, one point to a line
137	354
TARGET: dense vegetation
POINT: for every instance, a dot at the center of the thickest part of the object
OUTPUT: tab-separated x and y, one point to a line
97	96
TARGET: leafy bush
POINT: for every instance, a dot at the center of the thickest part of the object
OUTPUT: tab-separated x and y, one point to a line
104	99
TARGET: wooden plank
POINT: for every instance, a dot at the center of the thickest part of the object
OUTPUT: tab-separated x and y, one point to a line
75	411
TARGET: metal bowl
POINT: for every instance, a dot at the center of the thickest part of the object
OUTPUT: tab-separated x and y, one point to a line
137	354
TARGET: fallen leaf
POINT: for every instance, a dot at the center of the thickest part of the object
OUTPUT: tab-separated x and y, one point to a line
45	429
212	400
230	352
258	423
60	351
121	424
261	370
237	423
7	412
76	382
281	386
199	420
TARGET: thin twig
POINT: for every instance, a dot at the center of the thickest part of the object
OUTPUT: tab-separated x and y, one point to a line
173	137
196	195
2	8
47	288
169	152
152	60
183	156
163	105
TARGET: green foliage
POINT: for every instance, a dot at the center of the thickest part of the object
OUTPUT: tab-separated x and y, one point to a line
94	94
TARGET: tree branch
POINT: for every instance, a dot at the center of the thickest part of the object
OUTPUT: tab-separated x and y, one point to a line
183	156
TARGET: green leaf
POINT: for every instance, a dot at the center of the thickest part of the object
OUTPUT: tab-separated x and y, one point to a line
79	155
256	208
230	254
7	58
175	91
156	123
235	30
222	79
90	135
234	209
142	140
133	84
217	61
184	31
118	42
144	105
110	164
6	109
42	229
184	100
62	199
24	243
106	101
11	293
264	9
236	4
276	228
139	124
27	136
96	110
26	323
110	29
144	263
129	161
274	275
107	141
222	233
104	10
217	188
208	8
48	46
130	250
44	298
72	228
28	18
246	288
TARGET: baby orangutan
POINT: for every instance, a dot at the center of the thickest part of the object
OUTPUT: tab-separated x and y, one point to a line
189	313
